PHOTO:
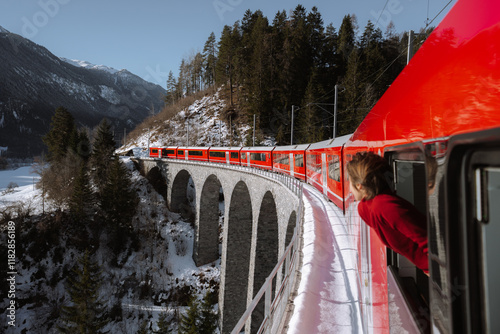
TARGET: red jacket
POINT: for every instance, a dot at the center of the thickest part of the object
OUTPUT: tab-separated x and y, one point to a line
399	225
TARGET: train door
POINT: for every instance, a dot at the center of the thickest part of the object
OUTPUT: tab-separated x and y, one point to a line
486	173
473	228
292	164
324	169
227	157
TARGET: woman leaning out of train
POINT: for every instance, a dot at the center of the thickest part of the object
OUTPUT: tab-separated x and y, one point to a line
399	225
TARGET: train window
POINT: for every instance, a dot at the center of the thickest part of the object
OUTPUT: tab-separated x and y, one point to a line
409	179
243	156
180	152
258	156
284	159
333	167
234	155
154	151
314	163
410	182
217	154
195	153
167	152
299	160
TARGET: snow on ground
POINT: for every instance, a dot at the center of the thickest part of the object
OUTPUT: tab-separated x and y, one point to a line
163	265
18	188
327	298
21	176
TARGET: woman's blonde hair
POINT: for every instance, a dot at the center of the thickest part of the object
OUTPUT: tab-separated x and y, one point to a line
371	171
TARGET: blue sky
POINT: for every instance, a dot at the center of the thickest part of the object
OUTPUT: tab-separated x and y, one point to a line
150	37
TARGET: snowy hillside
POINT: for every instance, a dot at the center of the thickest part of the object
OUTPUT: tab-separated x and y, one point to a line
200	124
156	276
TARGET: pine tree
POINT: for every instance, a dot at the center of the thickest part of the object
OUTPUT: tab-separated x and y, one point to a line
198	72
83	147
86	314
81	201
208	318
228	51
171	96
103	148
118	204
346	43
163	324
143	329
189	322
308	120
61	134
210	59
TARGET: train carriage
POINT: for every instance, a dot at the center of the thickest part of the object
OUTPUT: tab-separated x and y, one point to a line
196	153
182	153
227	155
438	125
324	168
291	160
154	152
168	152
258	157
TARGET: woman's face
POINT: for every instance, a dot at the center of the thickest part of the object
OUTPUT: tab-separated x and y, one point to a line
357	191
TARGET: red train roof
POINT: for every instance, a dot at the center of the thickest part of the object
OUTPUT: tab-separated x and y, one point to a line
336	142
451	86
301	147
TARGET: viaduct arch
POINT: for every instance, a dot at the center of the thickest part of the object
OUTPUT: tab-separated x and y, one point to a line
260	214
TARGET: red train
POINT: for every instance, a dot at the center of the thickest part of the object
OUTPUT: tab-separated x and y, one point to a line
438	125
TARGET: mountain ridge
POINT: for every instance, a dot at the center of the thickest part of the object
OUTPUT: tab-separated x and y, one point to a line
35	82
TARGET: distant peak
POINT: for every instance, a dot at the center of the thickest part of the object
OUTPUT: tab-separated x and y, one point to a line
3	30
86	64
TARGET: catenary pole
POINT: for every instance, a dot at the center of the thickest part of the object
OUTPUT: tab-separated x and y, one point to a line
335	113
253	130
410	46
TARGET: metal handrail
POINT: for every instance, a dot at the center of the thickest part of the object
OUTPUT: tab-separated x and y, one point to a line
290	258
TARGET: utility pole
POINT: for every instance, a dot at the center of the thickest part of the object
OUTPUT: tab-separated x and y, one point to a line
335	113
253	130
220	132
411	36
187	129
291	137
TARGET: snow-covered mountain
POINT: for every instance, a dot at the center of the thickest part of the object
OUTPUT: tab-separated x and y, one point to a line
86	64
34	82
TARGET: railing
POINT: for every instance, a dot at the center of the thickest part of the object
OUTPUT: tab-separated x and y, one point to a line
288	181
275	309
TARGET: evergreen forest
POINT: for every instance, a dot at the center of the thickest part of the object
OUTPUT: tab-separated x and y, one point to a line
295	60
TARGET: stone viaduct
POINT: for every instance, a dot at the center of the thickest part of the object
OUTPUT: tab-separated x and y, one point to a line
260	214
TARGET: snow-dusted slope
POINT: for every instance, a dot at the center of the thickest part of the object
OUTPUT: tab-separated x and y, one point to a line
201	124
90	66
